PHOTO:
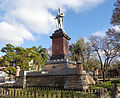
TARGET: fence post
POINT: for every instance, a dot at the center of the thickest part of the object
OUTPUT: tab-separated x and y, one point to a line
56	93
72	94
47	93
35	93
61	94
42	94
52	95
14	92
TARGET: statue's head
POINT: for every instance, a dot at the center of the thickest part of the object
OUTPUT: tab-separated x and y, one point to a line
59	10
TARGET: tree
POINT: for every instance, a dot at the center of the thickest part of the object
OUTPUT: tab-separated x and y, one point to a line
113	34
2	62
23	58
8	59
42	51
114	68
18	56
77	50
114	37
116	14
91	64
8	48
39	56
87	57
105	50
81	50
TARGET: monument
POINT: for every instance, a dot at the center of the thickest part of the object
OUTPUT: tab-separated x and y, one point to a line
60	40
59	71
60	48
71	72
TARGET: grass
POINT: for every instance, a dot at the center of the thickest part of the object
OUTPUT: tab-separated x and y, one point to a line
108	84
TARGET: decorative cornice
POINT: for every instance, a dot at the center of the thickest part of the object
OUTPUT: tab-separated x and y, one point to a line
59	61
60	33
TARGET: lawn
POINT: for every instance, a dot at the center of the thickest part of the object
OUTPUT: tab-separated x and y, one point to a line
108	84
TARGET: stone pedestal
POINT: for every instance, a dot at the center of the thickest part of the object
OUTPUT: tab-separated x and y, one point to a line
17	71
79	68
60	45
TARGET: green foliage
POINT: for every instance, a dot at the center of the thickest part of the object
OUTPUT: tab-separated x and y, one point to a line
91	64
116	81
8	48
81	50
2	62
107	85
77	50
10	70
18	56
39	56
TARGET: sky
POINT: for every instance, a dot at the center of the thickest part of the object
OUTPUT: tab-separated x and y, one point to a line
28	23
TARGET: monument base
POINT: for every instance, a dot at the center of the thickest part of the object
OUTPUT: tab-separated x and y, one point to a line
61	56
79	82
73	81
60	66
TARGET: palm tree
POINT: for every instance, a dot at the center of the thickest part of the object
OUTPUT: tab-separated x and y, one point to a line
40	56
42	51
77	50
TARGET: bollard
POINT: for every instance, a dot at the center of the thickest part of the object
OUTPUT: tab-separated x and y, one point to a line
79	68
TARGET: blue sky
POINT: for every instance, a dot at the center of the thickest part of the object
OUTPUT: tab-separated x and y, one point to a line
29	23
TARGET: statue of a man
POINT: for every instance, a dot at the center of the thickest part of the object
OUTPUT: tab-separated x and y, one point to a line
59	18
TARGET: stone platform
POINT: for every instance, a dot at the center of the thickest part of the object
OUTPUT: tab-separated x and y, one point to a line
56	81
59	66
58	74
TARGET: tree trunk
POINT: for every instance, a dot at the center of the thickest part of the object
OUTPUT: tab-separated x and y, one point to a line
103	76
103	73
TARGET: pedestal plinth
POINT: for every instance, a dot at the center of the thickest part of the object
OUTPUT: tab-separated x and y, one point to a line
60	45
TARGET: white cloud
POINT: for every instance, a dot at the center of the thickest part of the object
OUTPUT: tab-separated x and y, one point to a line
36	15
14	33
99	34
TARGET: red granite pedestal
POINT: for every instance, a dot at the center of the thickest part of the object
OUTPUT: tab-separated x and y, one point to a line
60	45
